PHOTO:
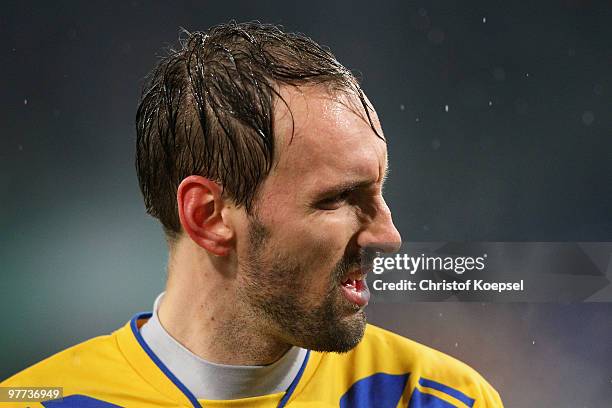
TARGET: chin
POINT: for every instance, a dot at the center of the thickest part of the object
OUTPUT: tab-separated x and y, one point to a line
341	336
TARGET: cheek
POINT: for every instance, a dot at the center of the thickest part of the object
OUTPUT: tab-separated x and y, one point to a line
317	247
315	252
314	242
319	239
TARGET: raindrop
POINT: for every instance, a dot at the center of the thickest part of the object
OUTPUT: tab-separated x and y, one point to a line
417	120
533	342
527	74
20	148
402	107
484	19
445	108
456	344
25	101
588	117
490	103
440	314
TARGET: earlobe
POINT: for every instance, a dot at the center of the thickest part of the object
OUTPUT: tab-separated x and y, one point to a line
200	211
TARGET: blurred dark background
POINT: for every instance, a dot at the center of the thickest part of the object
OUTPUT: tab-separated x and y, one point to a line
498	116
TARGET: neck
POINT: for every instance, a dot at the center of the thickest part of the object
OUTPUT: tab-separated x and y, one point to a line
202	311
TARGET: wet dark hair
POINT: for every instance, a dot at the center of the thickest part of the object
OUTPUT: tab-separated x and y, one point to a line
208	109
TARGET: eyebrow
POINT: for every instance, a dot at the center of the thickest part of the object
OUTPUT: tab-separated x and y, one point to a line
351	186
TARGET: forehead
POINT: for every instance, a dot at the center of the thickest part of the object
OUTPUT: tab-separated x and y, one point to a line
325	137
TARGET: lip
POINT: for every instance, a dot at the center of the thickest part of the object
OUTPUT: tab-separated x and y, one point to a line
356	291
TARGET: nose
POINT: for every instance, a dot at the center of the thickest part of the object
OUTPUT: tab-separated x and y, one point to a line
380	233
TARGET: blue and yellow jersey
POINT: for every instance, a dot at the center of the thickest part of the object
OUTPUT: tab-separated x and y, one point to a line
384	371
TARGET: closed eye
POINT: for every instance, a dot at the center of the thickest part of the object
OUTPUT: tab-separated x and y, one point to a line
334	202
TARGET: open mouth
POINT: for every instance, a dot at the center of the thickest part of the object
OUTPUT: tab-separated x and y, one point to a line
355	289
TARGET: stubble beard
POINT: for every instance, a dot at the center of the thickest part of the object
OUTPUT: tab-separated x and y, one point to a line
274	290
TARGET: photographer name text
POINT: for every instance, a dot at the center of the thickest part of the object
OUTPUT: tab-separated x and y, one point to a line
427	285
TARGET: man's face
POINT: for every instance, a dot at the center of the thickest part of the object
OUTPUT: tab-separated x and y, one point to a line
320	207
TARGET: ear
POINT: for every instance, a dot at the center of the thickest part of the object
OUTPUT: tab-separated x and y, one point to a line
199	206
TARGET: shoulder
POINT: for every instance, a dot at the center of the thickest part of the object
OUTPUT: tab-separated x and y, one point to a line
96	372
428	369
409	353
68	365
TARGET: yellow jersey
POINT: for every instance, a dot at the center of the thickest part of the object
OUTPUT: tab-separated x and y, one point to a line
384	370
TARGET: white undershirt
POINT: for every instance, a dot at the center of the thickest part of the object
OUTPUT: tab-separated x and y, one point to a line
213	381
